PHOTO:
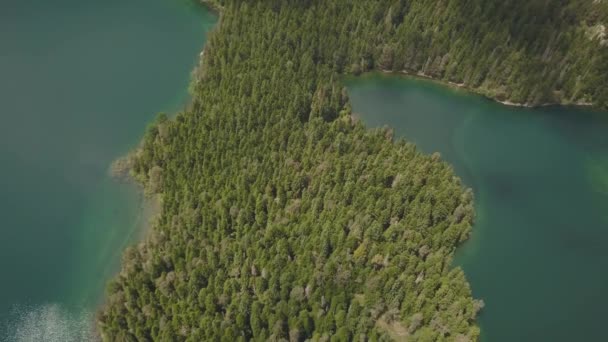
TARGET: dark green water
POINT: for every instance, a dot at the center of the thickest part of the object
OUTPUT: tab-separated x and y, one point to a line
79	80
539	251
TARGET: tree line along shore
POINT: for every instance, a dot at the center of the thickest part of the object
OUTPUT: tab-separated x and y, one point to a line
283	218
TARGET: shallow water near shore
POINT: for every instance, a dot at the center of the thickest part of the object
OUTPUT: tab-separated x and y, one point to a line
538	252
80	81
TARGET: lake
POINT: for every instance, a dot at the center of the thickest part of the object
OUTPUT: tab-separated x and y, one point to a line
539	248
80	81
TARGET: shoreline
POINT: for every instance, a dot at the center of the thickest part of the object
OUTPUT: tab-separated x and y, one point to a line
150	204
197	71
476	91
212	5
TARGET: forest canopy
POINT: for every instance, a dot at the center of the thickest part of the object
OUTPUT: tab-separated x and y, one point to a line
283	217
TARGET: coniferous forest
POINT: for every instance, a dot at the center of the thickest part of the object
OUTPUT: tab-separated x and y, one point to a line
283	218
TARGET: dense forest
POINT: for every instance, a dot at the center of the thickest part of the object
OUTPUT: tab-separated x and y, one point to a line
529	52
283	218
524	51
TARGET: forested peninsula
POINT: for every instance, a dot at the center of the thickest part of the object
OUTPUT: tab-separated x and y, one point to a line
283	217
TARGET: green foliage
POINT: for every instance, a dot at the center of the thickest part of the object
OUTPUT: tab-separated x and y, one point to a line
283	218
525	51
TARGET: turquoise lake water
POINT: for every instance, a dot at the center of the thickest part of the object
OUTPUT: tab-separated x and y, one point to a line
539	248
79	81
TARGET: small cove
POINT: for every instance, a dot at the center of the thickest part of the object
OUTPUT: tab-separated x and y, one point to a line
538	248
